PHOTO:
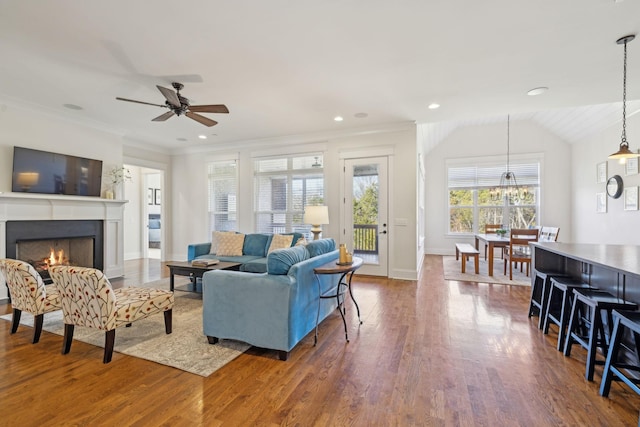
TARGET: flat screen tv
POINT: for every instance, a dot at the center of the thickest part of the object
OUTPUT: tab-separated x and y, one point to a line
36	171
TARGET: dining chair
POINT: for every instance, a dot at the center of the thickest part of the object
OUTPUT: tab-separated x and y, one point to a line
89	300
519	251
28	293
491	229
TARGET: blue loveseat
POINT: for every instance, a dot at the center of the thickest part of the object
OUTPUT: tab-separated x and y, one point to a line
254	251
272	310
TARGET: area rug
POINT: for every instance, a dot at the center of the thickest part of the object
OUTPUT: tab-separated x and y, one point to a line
186	348
452	272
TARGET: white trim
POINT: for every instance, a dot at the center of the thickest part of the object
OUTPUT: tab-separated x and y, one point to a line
363	153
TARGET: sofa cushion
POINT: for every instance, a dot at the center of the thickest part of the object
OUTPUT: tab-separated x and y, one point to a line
280	241
230	244
319	247
256	244
279	262
258	265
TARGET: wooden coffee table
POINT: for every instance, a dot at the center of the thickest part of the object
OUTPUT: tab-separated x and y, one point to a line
184	268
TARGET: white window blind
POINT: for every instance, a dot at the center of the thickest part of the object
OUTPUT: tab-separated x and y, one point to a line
283	187
473	204
223	183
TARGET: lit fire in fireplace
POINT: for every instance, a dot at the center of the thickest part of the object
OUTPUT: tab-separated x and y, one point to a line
55	258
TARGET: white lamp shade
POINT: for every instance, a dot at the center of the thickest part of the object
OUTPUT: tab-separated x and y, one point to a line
316	215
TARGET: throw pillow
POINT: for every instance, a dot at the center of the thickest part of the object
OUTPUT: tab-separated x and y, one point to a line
230	244
279	241
301	242
321	246
215	239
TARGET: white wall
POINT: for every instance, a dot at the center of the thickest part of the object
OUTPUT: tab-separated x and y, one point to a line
617	226
491	140
40	131
189	188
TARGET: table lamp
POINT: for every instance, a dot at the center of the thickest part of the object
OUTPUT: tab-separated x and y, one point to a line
316	216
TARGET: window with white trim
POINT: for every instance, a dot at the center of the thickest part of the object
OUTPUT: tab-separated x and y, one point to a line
473	202
223	184
283	187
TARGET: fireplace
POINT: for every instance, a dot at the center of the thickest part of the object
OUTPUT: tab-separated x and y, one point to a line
45	243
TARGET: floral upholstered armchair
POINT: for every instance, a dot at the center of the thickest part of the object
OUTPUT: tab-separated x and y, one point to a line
28	293
89	300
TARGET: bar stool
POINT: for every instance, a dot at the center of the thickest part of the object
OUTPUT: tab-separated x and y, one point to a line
586	317
540	292
558	305
613	369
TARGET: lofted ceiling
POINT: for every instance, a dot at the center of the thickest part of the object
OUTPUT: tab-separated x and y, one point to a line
286	68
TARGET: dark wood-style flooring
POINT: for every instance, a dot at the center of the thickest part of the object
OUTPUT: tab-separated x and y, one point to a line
429	352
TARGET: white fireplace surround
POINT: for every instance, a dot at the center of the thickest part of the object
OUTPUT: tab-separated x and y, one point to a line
40	207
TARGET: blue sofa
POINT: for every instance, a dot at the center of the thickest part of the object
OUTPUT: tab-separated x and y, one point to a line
272	310
254	251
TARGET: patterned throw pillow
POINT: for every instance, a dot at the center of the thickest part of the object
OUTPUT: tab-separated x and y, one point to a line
215	238
301	242
230	244
280	241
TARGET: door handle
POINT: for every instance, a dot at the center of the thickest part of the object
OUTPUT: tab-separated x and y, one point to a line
383	232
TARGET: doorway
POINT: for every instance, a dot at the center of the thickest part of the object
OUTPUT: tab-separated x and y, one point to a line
365	223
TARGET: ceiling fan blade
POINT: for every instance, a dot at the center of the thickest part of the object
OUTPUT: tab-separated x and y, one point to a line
220	108
139	102
171	96
163	117
201	119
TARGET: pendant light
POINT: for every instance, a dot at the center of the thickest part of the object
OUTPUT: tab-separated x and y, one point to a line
624	152
508	183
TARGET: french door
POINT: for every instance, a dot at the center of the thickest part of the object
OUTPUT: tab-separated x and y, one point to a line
365	213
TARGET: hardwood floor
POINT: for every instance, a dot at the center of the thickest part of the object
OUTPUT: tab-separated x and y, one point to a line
428	353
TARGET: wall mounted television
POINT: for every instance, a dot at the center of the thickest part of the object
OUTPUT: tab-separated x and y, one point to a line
43	172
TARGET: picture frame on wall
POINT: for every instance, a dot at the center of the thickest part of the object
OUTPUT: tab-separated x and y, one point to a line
631	199
150	196
631	166
601	173
157	197
601	202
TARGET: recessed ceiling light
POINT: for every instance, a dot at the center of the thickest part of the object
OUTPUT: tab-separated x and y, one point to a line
338	118
181	139
72	106
434	106
537	91
360	115
202	136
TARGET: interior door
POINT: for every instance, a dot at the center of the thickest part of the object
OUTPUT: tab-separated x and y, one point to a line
365	223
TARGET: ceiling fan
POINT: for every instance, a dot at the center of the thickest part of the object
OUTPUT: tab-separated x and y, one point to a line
179	105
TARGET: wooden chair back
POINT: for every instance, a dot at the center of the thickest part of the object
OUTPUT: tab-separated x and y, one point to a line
519	239
491	228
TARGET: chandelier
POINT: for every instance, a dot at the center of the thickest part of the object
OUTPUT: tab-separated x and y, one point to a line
508	187
624	153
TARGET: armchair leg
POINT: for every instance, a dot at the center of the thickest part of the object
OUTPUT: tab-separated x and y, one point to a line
168	321
109	341
15	320
37	327
283	355
212	340
68	337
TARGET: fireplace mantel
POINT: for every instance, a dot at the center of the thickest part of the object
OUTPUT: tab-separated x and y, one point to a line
37	207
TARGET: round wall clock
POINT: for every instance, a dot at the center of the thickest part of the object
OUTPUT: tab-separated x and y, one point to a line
614	186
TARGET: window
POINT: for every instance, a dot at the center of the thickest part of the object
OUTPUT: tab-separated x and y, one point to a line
283	187
473	203
223	180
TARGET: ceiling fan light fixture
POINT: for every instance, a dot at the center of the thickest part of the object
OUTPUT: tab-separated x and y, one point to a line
624	152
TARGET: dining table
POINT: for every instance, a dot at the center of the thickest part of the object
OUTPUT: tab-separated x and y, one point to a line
492	240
